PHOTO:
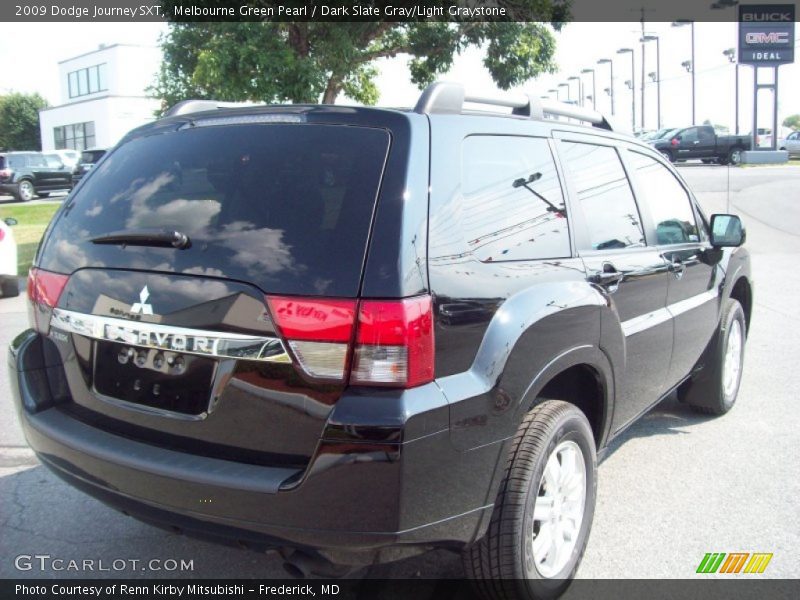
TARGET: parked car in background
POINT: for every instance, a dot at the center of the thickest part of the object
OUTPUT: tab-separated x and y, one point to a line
26	175
87	160
9	284
68	157
791	144
702	142
763	137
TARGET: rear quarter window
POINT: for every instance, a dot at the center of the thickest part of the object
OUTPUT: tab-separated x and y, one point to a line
511	205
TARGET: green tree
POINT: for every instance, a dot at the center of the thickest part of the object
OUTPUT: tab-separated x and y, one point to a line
792	122
316	61
19	121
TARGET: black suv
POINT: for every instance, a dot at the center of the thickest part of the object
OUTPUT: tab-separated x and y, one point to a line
26	175
355	334
88	159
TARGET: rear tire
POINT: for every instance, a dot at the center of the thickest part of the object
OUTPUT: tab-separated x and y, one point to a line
43	194
544	509
25	191
714	390
667	155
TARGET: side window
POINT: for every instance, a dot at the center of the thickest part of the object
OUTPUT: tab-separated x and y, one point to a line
668	202
689	135
511	203
36	160
706	135
604	194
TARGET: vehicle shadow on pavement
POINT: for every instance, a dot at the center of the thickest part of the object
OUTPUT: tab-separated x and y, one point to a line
668	417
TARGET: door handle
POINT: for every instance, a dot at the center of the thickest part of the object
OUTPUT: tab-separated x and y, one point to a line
677	268
609	276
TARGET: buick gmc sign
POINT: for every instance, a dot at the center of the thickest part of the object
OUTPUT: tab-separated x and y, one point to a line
766	34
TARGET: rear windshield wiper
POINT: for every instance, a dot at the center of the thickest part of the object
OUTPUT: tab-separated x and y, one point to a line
162	238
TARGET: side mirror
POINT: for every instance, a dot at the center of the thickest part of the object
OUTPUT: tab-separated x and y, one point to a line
10	221
727	231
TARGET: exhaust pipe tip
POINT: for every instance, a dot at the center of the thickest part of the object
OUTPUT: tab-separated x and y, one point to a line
294	571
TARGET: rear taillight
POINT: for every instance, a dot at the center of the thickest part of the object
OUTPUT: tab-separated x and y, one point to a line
674	141
393	344
2	234
5	174
44	290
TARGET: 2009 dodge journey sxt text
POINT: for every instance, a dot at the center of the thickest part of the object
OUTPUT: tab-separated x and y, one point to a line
354	334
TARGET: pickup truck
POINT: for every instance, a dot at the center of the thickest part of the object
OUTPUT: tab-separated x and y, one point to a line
702	142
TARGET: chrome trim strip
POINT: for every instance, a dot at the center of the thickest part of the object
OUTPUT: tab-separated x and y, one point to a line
646	321
662	315
213	344
683	306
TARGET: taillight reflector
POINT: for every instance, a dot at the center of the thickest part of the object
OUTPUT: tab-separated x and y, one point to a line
674	142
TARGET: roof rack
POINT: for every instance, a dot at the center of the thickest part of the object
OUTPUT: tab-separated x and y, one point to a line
192	106
445	97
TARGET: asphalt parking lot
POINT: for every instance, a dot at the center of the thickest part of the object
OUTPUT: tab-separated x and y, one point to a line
677	486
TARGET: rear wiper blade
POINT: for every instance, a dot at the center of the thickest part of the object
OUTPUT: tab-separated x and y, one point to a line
162	238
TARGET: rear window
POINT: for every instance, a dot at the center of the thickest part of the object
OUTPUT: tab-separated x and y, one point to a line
91	156
285	206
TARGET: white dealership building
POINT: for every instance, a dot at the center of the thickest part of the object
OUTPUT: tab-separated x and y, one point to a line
103	96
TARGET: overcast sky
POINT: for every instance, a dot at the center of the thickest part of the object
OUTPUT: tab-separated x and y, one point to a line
32	51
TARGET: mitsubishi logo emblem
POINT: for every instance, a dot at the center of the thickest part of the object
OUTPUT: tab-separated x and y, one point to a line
141	306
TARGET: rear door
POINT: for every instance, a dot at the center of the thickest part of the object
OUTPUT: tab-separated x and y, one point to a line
177	346
681	239
42	172
633	275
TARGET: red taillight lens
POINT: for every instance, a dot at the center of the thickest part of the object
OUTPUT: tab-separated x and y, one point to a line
314	319
5	174
44	290
394	343
674	141
2	234
318	331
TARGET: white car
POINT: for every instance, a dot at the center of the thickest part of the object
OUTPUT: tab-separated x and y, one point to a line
791	144
68	157
9	284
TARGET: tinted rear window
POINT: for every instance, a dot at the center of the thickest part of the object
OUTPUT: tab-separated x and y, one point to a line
287	207
91	156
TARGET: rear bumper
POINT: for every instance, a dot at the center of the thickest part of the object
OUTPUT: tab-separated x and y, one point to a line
8	188
356	497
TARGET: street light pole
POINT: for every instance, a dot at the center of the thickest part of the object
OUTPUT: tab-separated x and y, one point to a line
566	85
691	68
731	54
650	38
610	62
580	90
554	91
633	86
594	87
